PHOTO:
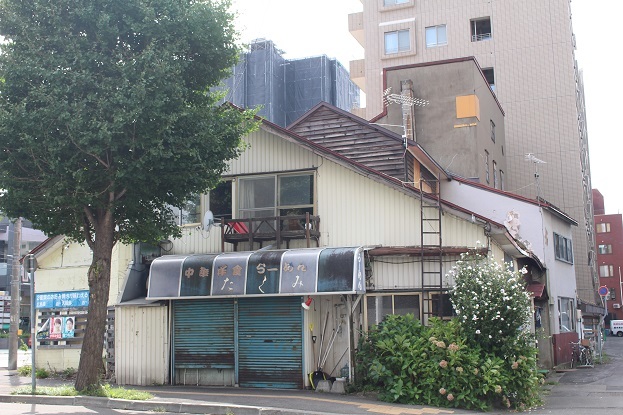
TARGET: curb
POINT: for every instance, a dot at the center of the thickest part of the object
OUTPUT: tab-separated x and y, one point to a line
153	406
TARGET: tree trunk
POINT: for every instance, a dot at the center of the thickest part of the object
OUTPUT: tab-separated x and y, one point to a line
91	363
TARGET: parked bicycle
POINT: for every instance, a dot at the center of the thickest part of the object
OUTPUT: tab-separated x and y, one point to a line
581	355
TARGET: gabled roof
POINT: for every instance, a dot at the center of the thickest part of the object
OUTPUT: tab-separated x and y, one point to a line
359	140
370	172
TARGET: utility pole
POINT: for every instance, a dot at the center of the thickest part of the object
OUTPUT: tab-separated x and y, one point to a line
15	294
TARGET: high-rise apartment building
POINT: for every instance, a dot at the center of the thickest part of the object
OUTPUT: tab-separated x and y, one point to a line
525	49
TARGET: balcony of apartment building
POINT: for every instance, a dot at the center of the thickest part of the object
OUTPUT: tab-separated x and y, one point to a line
357	68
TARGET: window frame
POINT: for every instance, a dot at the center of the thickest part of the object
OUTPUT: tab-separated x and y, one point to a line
276	207
489	73
393	3
368	324
495	174
183	217
397	33
479	37
436	29
566	305
492	123
604	249
563	248
487	166
604	225
501	179
609	271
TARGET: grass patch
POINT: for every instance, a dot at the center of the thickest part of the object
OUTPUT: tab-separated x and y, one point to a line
64	390
26	371
103	391
107	391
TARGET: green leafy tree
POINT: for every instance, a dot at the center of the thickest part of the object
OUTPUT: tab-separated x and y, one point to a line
106	121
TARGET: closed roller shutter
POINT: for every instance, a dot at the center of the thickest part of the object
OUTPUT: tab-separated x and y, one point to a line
270	342
203	334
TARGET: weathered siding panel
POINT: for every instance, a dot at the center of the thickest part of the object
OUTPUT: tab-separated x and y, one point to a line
142	345
269	153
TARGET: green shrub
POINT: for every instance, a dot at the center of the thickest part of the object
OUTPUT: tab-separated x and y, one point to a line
24	370
39	373
42	373
485	360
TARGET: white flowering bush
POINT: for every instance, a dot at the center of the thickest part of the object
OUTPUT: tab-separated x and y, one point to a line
483	358
490	301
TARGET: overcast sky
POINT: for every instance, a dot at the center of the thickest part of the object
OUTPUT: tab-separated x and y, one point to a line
320	27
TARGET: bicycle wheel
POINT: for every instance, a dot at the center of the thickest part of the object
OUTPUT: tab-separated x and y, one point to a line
589	357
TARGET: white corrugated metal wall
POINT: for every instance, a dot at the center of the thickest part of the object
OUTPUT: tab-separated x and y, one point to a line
142	345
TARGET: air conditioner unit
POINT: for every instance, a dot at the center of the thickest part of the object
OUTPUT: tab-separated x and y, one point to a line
616	305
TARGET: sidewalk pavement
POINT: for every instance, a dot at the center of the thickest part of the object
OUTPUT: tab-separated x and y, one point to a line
221	400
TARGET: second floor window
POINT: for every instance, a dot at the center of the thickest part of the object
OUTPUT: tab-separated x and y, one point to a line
495	175
394	2
189	212
603	227
276	195
492	131
606	271
563	248
605	248
436	36
487	166
398	41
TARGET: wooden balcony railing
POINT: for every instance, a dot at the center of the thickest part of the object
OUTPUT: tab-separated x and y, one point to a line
269	229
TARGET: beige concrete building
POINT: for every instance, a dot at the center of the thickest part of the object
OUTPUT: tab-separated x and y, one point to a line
526	51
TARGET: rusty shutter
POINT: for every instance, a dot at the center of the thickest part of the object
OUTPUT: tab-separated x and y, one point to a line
270	342
203	334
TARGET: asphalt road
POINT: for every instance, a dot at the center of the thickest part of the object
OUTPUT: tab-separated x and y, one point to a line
594	391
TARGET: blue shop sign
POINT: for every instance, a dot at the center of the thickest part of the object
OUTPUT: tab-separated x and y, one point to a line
63	299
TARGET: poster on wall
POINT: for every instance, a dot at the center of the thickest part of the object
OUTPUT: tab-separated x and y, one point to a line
56	326
68	327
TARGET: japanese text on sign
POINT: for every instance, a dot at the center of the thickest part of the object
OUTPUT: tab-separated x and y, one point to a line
66	299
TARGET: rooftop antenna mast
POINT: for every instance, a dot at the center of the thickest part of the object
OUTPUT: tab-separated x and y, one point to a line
531	158
407	101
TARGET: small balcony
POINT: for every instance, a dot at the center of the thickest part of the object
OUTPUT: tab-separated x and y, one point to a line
274	229
355	27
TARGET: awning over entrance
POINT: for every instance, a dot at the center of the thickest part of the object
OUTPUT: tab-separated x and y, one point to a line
258	273
536	290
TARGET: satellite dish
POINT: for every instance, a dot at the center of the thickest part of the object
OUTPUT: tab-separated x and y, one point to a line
208	220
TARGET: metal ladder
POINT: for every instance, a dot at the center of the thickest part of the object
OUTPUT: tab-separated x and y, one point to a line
431	252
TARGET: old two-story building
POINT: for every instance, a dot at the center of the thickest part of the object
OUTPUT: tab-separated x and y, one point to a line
543	234
320	247
550	261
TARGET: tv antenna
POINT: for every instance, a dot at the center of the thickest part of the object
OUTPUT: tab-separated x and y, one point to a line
407	102
532	158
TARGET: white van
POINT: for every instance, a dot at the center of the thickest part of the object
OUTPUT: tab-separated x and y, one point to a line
616	327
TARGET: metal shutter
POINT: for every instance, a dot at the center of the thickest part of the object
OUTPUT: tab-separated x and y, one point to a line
270	342
203	334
